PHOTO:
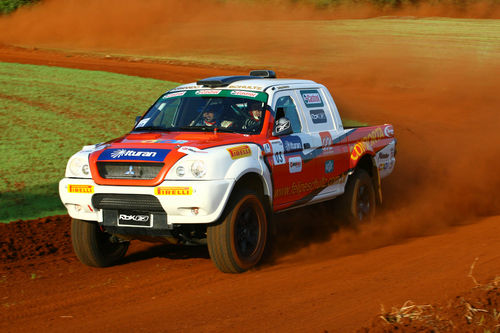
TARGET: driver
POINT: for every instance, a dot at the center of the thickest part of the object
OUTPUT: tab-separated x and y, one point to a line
208	117
255	112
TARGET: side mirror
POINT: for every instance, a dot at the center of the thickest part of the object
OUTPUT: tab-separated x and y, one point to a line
282	126
137	120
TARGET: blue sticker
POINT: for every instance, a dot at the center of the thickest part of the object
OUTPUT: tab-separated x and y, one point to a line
329	166
291	143
138	154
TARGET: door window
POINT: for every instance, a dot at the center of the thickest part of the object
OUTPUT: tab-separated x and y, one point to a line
289	108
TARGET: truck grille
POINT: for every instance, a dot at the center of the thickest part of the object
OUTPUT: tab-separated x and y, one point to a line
124	170
137	202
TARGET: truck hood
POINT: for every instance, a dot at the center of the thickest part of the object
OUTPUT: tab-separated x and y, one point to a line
124	159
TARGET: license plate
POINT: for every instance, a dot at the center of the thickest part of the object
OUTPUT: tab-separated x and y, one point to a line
135	219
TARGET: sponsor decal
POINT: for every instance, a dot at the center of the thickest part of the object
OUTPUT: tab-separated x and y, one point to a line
143	122
329	166
267	148
178	142
366	143
80	188
383	156
96	147
137	218
318	116
208	92
326	141
278	152
176	94
243	93
239	152
358	150
133	219
295	164
238	86
307	187
389	131
138	154
312	98
173	190
191	150
385	166
292	143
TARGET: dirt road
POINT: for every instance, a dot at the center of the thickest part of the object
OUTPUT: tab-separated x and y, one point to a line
441	212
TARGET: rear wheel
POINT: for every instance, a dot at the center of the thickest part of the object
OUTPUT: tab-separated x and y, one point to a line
237	242
93	246
357	204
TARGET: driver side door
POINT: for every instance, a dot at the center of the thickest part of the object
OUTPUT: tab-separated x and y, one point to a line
291	163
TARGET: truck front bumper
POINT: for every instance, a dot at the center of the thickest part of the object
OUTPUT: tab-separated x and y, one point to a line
186	202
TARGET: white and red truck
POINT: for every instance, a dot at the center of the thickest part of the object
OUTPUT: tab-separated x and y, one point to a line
211	162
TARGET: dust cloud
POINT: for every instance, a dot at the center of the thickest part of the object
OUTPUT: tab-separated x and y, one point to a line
157	26
440	94
447	163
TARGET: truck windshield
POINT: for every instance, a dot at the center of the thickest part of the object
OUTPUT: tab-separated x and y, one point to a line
236	111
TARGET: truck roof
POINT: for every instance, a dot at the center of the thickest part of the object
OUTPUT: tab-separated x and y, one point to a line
257	80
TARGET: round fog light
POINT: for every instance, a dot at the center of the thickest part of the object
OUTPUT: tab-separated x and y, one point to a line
180	171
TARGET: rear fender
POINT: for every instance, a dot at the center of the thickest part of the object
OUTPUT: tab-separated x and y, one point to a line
368	163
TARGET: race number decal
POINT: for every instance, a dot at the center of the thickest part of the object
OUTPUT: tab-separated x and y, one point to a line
278	152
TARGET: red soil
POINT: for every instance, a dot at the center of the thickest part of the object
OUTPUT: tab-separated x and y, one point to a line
441	211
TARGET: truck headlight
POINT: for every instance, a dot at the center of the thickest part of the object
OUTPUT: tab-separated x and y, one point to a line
198	169
79	167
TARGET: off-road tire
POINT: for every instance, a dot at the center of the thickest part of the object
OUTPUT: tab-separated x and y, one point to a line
237	242
357	204
93	246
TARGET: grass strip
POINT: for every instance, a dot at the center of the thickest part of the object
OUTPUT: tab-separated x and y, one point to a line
46	115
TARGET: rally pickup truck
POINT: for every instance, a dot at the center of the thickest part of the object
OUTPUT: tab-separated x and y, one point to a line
211	162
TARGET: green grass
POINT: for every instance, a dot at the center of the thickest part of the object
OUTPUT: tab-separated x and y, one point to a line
9	6
46	115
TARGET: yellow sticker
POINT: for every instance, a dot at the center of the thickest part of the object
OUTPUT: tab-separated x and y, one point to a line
239	152
80	188
173	190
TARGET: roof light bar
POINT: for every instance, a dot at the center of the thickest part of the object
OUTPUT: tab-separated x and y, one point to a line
221	81
264	73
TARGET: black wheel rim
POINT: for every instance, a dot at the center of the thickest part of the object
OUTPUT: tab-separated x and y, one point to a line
247	231
363	202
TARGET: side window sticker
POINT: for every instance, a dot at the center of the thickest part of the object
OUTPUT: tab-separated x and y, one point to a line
312	98
318	116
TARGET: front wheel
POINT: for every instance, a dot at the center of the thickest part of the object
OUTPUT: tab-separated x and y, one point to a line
237	242
357	204
93	246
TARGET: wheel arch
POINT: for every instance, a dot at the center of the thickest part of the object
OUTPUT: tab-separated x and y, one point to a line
367	162
255	182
